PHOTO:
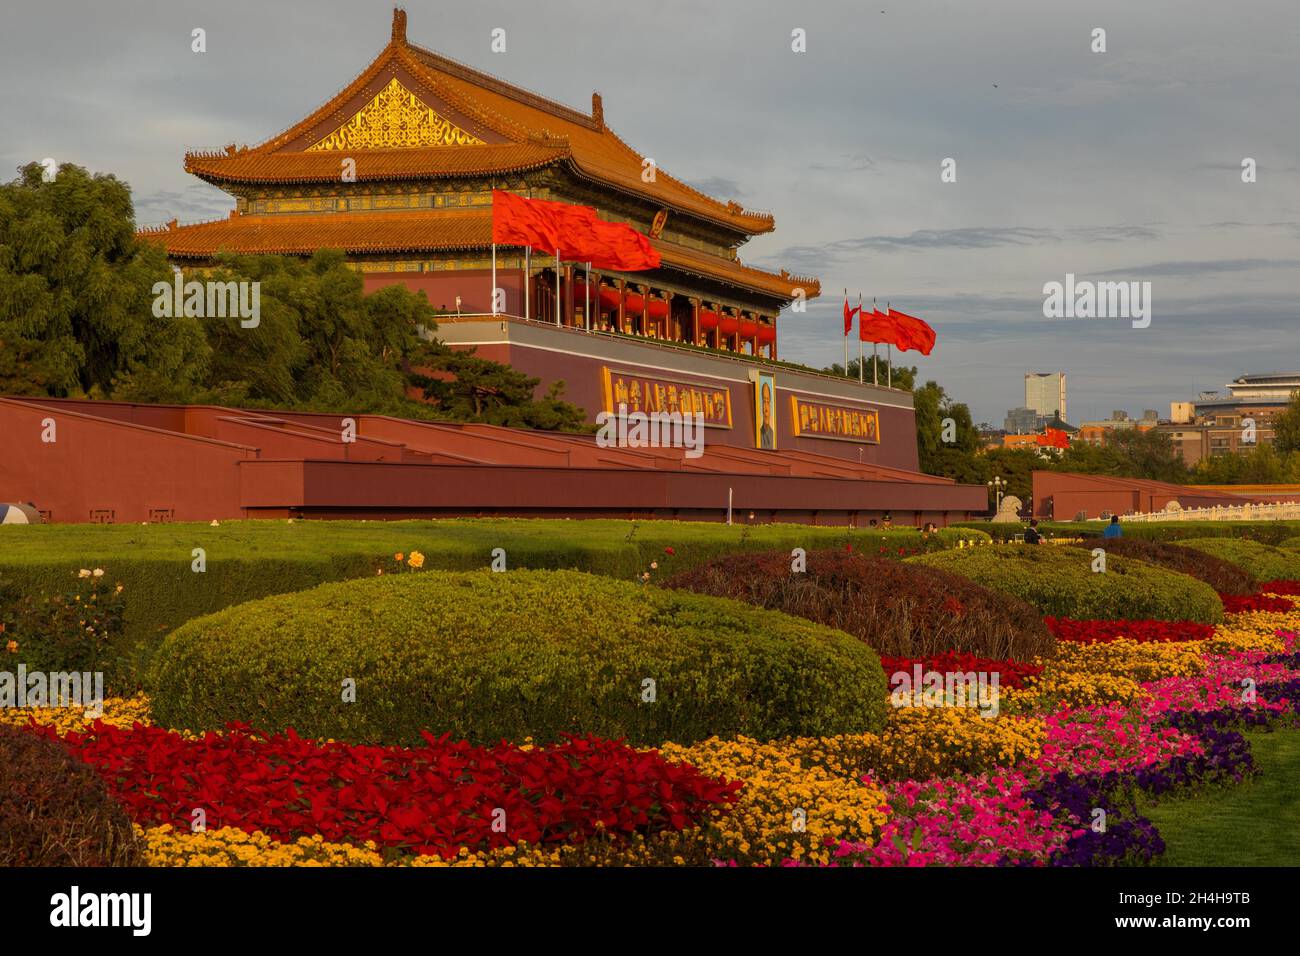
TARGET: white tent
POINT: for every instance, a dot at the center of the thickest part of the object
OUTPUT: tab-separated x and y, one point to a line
19	514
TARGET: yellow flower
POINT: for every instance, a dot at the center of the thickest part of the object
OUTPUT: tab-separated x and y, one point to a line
416	560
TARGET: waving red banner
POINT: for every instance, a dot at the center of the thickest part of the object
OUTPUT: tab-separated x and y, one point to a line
913	333
577	232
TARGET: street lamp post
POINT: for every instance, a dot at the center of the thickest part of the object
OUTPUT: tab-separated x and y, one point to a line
996	486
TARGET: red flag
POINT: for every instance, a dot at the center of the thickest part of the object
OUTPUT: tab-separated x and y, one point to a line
577	232
524	222
585	237
848	315
914	333
1053	438
877	327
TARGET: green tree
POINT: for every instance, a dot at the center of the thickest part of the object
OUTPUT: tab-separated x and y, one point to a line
468	388
946	437
1286	427
76	295
77	318
1146	454
903	376
1015	466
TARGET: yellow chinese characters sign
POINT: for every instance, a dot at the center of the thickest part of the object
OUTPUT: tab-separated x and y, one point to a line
641	393
815	420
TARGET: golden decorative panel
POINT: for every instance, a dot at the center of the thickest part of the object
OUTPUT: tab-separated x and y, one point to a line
396	118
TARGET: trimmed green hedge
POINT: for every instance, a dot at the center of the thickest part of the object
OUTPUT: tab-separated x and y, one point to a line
539	654
1264	562
1291	543
1268	532
1265	532
899	609
1059	581
1224	576
252	559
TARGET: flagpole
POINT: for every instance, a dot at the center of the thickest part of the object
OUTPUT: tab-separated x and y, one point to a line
875	351
860	338
846	335
494	278
889	357
528	268
586	298
557	287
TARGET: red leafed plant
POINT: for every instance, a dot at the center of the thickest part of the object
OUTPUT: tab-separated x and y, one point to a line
1010	673
1103	632
431	799
1236	604
1280	587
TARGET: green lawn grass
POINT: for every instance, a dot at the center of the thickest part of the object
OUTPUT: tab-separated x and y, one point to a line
1255	823
245	560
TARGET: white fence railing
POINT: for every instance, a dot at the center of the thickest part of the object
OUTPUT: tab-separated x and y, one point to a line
1273	511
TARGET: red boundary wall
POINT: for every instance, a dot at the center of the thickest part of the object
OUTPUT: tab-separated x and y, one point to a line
81	461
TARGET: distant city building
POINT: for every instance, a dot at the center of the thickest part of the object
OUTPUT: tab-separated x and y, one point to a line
1045	394
1095	432
1019	441
1270	387
1021	421
1231	424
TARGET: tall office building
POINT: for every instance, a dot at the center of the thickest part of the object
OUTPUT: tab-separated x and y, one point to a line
1045	393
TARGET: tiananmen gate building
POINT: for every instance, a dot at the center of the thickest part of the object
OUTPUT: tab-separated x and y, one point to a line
398	171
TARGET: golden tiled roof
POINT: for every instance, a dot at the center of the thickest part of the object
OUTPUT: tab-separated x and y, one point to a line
519	130
414	231
254	166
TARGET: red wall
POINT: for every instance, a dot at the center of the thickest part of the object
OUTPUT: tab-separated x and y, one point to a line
474	286
584	387
125	469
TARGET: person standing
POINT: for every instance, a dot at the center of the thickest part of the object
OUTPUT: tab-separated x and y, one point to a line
1113	530
1031	533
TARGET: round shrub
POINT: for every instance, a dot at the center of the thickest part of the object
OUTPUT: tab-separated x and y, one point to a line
540	654
1223	576
55	810
899	609
1059	581
1265	562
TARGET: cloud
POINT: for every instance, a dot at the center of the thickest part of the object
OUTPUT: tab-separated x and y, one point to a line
719	187
1201	267
196	202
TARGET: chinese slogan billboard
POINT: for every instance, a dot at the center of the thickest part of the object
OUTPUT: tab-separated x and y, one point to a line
817	420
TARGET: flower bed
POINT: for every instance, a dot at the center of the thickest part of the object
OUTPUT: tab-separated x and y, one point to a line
1010	673
1235	604
1125	709
1091	632
437	798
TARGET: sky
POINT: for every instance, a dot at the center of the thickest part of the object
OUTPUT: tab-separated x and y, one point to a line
1118	166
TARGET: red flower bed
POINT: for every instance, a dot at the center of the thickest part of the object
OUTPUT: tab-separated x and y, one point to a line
431	799
1234	604
1103	632
1010	673
1280	587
